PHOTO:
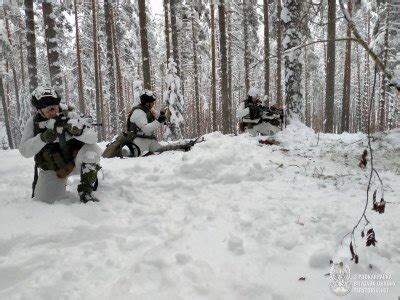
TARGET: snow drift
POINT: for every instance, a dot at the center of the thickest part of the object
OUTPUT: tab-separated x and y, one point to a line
231	219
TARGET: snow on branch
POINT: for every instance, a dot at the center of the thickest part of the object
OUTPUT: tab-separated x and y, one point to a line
364	44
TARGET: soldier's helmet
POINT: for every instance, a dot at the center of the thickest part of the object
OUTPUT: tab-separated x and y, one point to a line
147	96
44	96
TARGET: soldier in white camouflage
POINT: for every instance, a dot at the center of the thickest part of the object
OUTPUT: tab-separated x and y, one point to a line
62	144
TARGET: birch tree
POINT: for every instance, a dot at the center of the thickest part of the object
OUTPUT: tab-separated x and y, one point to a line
291	13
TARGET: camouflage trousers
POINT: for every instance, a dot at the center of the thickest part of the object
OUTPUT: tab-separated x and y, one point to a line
50	187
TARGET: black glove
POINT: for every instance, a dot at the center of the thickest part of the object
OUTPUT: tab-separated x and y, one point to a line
186	147
255	112
162	118
49	136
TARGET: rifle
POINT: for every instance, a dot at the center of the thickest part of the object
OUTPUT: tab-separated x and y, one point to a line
60	122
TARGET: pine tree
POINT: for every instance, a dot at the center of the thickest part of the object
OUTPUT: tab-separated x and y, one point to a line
224	64
266	51
174	100
213	69
279	97
79	61
195	67
145	47
110	67
330	67
101	134
345	126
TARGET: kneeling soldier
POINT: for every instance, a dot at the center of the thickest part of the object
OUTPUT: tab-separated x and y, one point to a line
62	144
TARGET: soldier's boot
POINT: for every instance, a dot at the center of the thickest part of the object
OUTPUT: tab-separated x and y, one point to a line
88	182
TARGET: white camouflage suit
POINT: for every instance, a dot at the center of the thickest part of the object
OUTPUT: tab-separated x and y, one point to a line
49	187
264	128
145	145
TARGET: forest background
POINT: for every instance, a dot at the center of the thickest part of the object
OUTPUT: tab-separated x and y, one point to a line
200	58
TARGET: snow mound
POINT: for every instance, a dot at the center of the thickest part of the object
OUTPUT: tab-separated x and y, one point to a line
393	138
296	133
230	219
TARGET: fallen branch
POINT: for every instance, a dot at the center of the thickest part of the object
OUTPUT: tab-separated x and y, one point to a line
268	142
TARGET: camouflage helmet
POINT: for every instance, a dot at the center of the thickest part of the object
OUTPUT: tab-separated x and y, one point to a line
45	96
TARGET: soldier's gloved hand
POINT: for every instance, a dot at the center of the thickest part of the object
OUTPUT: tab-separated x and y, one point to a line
73	129
49	136
255	112
162	118
49	124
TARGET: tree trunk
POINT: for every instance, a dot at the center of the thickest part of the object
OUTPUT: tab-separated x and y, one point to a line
5	111
21	52
4	103
145	45
330	67
121	99
232	113
306	90
196	72
105	121
279	98
382	102
174	32
246	44
11	58
224	75
66	89
213	70
345	126
31	45
79	66
293	66
111	67
366	98
266	53
52	46
358	94
166	28
99	106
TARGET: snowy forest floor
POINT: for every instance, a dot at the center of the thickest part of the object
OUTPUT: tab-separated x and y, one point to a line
230	219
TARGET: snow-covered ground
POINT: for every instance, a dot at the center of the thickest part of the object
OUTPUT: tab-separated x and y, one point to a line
230	219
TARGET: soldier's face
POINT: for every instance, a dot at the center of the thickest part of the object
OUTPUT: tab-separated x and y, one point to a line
50	112
151	104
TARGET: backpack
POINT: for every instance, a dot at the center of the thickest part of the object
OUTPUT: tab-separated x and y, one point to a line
114	149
